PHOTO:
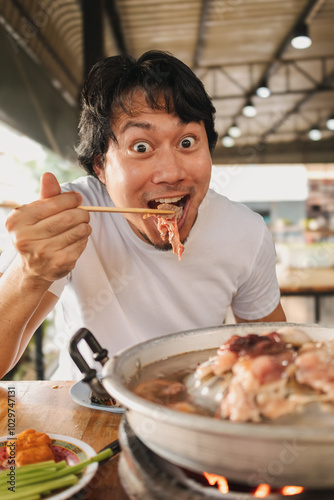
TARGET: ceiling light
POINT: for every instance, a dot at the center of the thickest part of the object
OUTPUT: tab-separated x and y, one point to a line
249	110
234	131
263	90
330	123
315	134
301	39
227	141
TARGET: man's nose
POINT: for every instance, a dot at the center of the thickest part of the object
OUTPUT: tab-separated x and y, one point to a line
169	167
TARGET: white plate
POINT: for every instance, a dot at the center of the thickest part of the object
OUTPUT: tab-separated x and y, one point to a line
80	393
73	451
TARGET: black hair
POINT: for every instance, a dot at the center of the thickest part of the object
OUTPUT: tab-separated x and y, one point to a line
167	83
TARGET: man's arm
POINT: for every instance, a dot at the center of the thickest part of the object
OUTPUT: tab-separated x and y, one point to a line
49	235
23	308
275	316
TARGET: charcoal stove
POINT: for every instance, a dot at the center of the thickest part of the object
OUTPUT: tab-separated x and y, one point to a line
146	476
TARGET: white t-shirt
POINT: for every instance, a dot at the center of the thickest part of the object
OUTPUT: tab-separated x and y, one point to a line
125	291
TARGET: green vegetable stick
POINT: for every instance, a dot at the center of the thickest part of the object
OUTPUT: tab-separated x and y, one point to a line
30	479
27	481
34	472
45	463
40	488
37	465
38	474
30	468
70	469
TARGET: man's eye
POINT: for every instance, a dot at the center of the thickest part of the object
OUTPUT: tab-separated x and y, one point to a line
142	147
187	142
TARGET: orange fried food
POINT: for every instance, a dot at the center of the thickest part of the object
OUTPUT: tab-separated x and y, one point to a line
32	447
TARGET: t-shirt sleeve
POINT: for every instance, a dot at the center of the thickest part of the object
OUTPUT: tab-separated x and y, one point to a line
259	294
58	286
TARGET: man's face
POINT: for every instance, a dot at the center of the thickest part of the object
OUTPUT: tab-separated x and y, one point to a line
157	159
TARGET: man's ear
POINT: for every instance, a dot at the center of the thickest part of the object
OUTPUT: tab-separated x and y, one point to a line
98	168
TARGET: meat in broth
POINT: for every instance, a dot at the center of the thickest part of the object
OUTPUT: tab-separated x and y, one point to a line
252	378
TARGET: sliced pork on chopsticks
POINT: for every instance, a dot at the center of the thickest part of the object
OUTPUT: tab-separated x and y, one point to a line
167	225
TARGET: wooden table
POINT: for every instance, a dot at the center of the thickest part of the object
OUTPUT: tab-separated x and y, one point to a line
47	407
308	281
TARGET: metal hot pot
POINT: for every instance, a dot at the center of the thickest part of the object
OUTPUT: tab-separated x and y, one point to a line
300	453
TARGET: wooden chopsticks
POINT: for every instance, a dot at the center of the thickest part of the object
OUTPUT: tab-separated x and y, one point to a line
107	209
127	210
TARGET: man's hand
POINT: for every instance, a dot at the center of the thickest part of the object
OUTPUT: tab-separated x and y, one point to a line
51	233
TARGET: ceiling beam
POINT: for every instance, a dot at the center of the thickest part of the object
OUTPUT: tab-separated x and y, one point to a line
308	12
213	67
276	94
92	33
297	151
114	19
325	82
272	67
201	33
310	7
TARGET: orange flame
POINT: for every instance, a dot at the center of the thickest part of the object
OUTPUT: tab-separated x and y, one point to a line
221	481
262	491
292	490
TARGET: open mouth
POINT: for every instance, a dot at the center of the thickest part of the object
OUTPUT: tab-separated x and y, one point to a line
168	224
179	201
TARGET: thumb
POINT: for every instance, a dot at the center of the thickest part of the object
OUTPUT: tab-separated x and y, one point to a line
49	186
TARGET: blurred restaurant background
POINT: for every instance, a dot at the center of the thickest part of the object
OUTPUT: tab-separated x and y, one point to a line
269	67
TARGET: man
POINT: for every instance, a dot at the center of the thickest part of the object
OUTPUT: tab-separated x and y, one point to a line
146	134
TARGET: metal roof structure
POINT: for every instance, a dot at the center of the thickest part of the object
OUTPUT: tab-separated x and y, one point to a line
232	45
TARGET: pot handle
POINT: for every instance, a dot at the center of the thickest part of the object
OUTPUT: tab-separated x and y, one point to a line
99	354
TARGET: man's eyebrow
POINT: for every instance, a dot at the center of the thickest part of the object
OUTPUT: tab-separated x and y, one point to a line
133	123
145	125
